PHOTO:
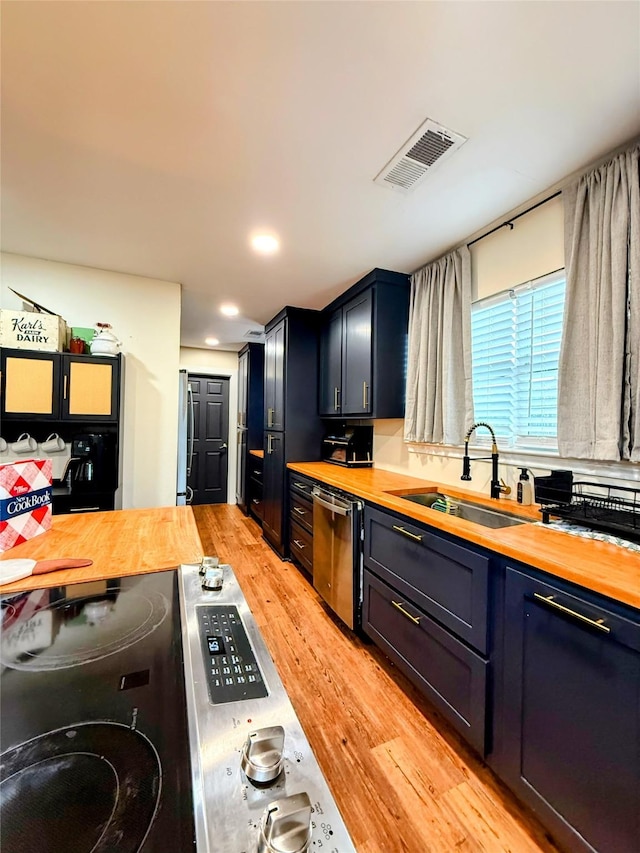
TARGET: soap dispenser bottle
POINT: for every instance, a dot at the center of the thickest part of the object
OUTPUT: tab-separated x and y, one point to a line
525	489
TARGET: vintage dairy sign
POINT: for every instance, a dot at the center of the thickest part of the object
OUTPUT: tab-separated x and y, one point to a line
25	500
31	330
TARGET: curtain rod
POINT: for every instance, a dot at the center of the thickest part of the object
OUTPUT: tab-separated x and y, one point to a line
510	222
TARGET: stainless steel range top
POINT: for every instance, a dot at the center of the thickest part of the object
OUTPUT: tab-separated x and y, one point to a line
257	786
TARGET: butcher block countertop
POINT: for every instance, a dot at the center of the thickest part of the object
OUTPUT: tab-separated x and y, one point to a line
124	542
603	568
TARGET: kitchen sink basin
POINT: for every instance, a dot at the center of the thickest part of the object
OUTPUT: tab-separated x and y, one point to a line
469	510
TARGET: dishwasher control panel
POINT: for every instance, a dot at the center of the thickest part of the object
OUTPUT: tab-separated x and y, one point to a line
232	670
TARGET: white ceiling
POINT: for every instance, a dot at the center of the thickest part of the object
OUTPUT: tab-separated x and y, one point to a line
153	137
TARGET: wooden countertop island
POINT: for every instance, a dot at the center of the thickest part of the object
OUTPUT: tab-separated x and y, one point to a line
599	566
124	542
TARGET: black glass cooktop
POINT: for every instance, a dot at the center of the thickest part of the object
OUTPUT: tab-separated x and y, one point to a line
93	719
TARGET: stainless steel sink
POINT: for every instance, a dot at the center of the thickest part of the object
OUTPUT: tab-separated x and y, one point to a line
469	510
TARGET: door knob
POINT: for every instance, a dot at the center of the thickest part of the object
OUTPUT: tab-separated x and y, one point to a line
223	446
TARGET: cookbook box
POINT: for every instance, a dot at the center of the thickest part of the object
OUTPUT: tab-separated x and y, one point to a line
33	330
25	500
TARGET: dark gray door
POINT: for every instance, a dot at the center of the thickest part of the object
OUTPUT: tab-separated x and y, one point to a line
331	365
356	355
209	469
273	485
274	377
571	721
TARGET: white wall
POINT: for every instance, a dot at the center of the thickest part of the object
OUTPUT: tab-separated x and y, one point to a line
213	362
145	315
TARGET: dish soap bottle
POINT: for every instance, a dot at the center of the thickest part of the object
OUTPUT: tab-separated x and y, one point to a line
524	490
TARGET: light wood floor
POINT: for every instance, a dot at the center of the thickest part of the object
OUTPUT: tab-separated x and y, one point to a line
402	778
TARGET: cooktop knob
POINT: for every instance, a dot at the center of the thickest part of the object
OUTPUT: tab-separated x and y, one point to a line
212	580
262	754
286	825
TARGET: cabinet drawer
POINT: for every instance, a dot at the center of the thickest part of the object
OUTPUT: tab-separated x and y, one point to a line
301	510
449	674
300	484
255	500
448	581
301	546
255	469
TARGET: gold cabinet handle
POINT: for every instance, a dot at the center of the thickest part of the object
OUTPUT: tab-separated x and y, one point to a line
551	602
300	544
270	417
64	390
398	606
301	485
299	511
365	395
336	393
269	444
408	533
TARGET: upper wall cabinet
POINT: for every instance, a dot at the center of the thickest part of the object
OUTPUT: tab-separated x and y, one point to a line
59	386
363	344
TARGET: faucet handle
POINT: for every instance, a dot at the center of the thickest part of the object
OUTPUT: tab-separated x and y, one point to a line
504	489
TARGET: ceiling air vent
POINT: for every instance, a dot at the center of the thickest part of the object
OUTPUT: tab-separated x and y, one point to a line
255	335
430	144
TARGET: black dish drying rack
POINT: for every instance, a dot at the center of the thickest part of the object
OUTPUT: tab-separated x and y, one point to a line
614	509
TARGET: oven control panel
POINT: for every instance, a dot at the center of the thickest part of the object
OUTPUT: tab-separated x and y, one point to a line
257	784
232	670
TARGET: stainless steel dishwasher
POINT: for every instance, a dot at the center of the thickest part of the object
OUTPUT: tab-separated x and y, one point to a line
337	552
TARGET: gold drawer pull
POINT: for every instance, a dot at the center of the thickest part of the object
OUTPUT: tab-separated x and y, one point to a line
300	544
299	511
302	486
398	606
408	533
550	602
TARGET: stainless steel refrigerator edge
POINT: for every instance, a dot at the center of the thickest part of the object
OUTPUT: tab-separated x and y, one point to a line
184	494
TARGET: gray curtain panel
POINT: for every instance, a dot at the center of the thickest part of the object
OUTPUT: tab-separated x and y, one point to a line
439	406
598	375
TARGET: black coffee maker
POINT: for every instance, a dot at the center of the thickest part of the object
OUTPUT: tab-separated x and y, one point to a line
93	463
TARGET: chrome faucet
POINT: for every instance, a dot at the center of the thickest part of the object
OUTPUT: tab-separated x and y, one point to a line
498	486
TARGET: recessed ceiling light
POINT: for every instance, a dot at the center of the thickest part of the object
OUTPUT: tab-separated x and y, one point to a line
229	310
212	342
266	244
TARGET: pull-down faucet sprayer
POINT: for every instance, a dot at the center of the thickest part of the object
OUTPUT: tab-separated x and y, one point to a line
498	486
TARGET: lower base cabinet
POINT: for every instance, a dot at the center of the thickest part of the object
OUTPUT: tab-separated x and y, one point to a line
571	713
450	674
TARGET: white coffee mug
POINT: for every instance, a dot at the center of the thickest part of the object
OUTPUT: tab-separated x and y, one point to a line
24	444
3	445
53	444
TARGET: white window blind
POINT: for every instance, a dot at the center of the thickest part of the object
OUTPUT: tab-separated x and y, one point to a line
515	349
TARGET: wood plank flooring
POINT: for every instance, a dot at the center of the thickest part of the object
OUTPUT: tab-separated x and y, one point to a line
404	781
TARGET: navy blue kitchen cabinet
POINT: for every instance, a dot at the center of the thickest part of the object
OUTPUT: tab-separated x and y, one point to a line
569	711
425	604
274	377
273	487
363	347
293	429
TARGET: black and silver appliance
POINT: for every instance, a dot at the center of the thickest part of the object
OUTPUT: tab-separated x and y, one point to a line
95	752
351	446
337	552
93	465
90	480
257	785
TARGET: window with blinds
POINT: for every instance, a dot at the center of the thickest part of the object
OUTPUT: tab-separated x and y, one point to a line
516	345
